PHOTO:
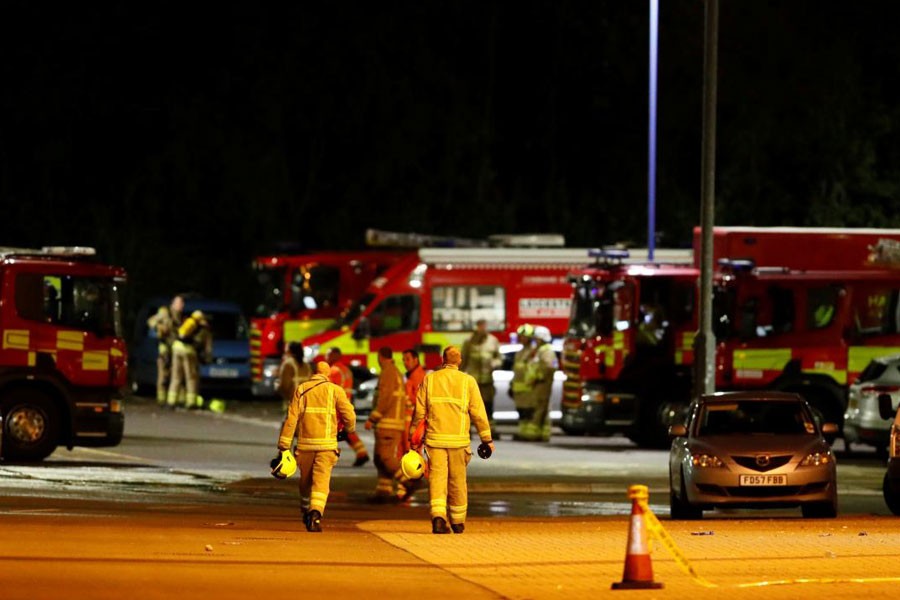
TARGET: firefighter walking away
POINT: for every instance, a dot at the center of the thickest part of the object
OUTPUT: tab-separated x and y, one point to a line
313	417
448	402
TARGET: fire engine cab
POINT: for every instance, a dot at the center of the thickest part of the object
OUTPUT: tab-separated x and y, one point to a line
63	363
300	295
795	309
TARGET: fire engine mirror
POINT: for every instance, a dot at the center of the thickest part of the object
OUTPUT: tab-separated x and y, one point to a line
885	406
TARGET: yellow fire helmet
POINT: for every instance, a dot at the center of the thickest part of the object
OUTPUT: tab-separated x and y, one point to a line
413	465
283	466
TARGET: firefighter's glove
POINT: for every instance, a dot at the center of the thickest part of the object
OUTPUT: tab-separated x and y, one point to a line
342	435
485	449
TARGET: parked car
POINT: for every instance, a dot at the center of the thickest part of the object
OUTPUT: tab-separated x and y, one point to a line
504	406
862	422
229	367
752	450
889	412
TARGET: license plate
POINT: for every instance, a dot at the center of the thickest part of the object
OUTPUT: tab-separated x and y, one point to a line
224	373
763	480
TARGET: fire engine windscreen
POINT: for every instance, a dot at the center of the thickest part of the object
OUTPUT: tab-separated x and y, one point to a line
86	303
271	295
593	309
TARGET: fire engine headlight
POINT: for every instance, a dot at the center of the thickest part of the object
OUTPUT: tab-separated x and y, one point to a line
707	461
817	459
592	396
270	371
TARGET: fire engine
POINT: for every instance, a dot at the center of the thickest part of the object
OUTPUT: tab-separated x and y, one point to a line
433	298
795	309
63	363
300	296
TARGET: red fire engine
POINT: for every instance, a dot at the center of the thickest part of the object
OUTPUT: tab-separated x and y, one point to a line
433	298
301	295
63	363
795	309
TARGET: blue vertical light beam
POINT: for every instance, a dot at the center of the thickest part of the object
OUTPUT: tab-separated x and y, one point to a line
651	132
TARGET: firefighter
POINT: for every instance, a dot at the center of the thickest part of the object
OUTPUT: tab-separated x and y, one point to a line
448	401
415	373
388	418
313	418
480	356
293	372
544	366
343	376
521	388
194	343
165	323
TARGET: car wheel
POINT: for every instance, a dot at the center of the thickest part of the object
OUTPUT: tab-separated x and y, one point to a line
680	509
891	498
31	425
819	510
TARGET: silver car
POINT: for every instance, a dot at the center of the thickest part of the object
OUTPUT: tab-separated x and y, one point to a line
862	422
752	450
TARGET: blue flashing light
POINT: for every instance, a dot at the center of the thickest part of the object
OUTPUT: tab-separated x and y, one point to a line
737	264
609	253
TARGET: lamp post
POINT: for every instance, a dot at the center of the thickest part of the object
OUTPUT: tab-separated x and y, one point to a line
705	342
651	130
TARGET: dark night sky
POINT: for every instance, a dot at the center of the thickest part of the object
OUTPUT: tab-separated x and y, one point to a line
181	142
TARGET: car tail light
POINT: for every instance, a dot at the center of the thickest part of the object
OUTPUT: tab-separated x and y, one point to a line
879	389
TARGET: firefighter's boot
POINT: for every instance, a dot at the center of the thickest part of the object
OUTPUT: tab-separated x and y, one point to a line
439	525
314	521
458	527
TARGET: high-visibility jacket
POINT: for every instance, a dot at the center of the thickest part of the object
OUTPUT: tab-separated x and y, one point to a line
290	375
523	374
390	410
414	379
343	376
480	356
449	401
313	416
544	364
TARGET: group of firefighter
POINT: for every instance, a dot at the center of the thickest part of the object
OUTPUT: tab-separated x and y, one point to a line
431	412
183	343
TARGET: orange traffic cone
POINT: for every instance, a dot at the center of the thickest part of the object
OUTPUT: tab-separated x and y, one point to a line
638	574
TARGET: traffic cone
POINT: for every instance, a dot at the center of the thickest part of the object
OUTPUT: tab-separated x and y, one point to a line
638	573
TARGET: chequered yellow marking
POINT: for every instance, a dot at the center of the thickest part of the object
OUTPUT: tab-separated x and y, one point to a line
16	339
95	360
69	340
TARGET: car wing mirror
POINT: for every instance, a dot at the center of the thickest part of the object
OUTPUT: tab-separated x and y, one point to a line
830	432
885	406
677	431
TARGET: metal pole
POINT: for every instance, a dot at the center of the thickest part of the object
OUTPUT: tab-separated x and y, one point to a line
651	131
705	343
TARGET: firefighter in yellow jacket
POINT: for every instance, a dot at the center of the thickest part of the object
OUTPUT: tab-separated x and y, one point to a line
389	420
449	402
292	372
313	418
193	344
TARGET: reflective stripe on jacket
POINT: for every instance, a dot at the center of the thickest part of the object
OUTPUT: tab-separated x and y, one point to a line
390	411
313	416
449	401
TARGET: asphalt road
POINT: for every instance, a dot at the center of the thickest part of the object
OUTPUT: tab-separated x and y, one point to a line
185	508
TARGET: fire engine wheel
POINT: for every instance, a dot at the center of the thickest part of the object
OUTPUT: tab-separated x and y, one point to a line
30	426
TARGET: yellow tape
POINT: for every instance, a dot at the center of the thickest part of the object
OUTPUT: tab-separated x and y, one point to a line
656	528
